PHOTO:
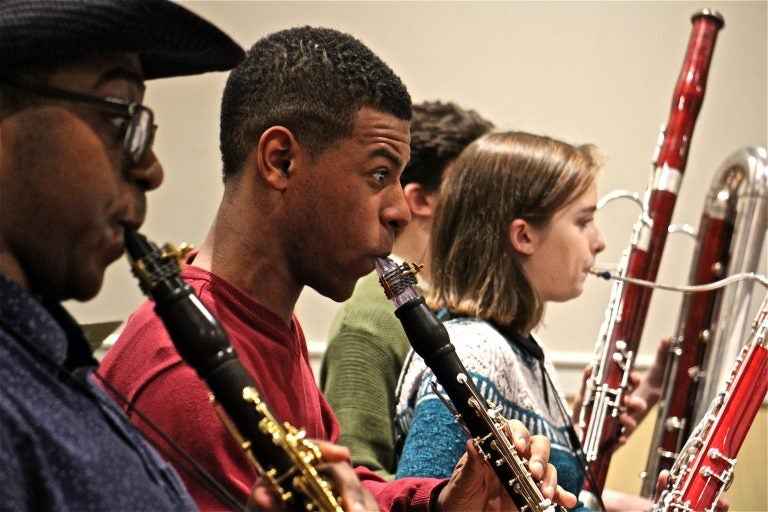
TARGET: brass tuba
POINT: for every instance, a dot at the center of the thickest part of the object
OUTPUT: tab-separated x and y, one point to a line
712	325
748	171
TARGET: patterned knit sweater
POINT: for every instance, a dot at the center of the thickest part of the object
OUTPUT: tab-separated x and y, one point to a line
507	375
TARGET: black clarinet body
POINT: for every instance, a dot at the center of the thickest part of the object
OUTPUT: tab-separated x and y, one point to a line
480	419
279	452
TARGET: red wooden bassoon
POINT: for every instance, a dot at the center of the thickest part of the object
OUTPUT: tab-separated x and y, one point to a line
704	467
730	237
621	332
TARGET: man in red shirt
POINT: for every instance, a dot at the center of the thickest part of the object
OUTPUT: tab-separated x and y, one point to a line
314	137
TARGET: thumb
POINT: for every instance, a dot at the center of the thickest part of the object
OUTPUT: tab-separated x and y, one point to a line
468	471
332	452
466	463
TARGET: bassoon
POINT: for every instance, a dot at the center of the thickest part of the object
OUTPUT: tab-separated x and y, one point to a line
704	469
620	334
729	241
287	462
480	419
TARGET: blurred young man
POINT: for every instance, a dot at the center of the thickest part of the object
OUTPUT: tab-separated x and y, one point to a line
367	344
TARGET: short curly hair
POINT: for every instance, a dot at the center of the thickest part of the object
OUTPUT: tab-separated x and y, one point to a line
312	81
439	133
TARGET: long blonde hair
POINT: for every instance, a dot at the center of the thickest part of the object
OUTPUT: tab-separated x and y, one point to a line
498	178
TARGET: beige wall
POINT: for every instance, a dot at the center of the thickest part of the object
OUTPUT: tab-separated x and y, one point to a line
600	72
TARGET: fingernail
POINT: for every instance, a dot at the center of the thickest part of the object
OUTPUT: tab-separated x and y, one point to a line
537	467
358	505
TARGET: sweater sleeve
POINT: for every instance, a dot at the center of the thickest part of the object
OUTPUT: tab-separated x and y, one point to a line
435	441
407	494
226	458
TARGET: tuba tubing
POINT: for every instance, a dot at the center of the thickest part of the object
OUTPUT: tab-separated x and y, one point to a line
621	331
730	237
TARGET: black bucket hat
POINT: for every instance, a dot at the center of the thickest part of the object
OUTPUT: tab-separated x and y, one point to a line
170	40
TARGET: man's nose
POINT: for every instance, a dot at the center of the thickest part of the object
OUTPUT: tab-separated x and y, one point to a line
397	214
148	173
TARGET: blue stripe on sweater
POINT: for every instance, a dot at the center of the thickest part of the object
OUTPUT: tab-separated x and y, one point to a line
435	441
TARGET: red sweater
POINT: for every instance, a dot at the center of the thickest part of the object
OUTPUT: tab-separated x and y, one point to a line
144	366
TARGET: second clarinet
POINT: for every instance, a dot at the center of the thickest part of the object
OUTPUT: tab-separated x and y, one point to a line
480	420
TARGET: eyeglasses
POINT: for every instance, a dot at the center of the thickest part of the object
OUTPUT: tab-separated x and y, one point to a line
139	130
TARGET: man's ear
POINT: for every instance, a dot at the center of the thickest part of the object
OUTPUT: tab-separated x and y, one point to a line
420	202
523	237
276	155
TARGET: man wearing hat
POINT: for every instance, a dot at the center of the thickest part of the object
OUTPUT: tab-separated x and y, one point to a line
75	162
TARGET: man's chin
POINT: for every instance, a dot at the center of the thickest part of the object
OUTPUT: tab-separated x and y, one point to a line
86	295
86	288
340	295
79	286
336	291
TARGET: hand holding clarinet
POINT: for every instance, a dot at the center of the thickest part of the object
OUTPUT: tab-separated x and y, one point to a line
522	478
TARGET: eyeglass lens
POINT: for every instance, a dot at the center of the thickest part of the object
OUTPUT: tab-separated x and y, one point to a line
140	134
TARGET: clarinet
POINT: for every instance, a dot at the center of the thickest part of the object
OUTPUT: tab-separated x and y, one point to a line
479	418
286	461
621	331
704	468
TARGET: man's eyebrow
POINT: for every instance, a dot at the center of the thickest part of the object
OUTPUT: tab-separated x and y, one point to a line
122	74
389	155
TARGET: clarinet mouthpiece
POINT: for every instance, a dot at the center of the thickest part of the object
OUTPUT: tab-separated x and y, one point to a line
398	280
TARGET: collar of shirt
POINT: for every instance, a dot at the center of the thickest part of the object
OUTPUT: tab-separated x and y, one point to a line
45	326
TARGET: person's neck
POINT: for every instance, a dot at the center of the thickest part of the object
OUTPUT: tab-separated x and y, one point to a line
12	269
248	263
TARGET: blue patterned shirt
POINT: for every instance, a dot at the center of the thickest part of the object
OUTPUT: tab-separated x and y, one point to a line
64	445
507	376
